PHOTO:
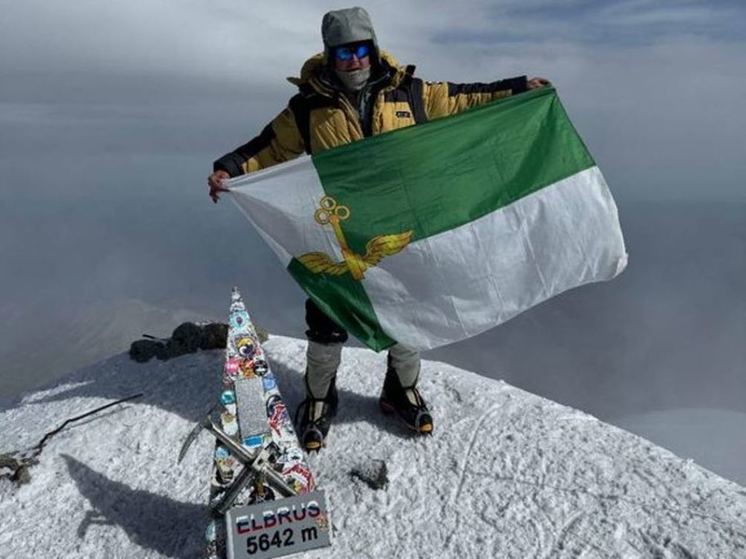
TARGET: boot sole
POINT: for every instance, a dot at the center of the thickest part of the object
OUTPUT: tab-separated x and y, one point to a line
314	447
315	444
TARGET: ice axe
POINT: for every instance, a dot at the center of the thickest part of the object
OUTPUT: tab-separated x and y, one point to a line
255	464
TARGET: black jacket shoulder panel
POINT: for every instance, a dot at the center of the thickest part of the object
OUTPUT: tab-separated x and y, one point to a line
301	105
232	162
517	85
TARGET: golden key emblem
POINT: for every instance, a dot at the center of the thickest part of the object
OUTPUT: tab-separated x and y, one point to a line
332	213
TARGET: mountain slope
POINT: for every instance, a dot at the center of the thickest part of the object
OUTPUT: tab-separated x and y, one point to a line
507	474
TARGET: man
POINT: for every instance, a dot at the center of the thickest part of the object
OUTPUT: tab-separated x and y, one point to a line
351	91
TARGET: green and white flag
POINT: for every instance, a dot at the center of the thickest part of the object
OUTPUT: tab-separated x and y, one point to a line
440	231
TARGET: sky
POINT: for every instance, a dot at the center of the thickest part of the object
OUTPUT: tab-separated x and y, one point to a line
192	78
112	112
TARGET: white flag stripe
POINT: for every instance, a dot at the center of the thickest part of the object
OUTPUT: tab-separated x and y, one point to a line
494	268
280	202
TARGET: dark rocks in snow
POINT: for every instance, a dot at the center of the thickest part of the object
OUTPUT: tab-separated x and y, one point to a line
374	474
186	338
214	336
15	468
143	350
16	465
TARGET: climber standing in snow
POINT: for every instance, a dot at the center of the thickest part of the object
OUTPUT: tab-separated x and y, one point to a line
349	92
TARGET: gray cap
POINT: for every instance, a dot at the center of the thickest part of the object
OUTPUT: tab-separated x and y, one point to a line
347	26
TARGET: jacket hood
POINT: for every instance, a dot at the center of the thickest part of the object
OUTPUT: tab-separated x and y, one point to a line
350	25
312	73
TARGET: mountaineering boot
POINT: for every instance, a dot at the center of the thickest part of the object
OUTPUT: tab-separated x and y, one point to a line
314	415
405	401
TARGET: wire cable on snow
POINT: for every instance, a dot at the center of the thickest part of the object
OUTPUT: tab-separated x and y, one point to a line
18	463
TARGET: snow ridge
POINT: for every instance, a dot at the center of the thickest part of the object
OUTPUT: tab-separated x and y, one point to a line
506	474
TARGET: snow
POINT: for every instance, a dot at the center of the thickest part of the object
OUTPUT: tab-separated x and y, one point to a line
506	474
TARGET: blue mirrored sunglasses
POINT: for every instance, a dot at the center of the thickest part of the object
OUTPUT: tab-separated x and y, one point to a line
346	53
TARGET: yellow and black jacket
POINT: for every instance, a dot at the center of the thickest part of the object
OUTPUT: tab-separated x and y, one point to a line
320	116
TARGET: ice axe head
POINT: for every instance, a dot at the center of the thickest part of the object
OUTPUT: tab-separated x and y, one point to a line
196	430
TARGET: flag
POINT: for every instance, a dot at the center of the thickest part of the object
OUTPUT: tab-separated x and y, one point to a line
437	232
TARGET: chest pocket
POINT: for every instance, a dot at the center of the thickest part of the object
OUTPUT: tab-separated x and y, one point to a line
403	106
396	114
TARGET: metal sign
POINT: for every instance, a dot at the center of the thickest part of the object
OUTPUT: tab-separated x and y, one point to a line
277	528
251	409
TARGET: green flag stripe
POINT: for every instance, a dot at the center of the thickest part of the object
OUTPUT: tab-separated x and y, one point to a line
344	300
439	175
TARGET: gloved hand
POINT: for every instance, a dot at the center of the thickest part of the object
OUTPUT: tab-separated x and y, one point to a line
535	83
215	182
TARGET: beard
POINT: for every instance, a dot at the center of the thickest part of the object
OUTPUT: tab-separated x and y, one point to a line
354	80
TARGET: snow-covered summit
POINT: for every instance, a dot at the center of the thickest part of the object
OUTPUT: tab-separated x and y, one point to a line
506	474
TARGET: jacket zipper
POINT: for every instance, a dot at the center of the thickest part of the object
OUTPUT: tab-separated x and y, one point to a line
352	115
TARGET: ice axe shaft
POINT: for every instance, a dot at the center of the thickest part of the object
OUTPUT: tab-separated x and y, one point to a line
259	462
243	479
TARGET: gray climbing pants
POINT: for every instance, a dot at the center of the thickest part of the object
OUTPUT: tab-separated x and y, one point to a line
324	354
322	362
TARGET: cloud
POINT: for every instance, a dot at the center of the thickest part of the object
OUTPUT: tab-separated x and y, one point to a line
235	43
652	86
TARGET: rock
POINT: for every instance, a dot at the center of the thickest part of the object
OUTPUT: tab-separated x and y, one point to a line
14	469
186	338
144	350
9	461
22	475
214	336
374	474
174	348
